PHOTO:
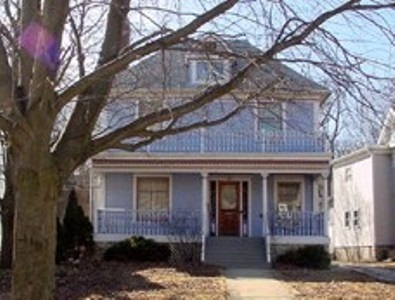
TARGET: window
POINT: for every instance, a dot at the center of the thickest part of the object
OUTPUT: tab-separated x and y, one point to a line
152	193
270	117
208	71
356	221
347	219
289	196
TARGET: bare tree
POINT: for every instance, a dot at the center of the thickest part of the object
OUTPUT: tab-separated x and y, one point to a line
47	75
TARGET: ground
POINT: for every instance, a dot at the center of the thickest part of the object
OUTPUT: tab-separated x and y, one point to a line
103	280
337	283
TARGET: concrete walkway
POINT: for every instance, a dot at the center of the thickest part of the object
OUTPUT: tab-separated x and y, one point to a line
256	284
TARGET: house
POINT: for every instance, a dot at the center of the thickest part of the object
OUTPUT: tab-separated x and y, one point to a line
364	205
259	178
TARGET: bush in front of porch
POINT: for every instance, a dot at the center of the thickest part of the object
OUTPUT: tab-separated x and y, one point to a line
137	248
312	257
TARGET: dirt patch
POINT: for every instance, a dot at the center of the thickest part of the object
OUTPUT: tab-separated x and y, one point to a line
103	280
336	283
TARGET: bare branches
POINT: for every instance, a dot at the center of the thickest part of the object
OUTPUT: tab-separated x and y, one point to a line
155	135
128	56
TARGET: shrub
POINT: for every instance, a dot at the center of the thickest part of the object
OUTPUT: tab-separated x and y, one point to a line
75	236
314	257
137	249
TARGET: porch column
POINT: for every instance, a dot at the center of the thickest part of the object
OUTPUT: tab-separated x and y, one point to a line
205	204
265	206
265	215
204	216
325	179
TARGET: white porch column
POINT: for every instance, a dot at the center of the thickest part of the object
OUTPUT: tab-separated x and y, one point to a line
204	213
265	206
265	215
325	179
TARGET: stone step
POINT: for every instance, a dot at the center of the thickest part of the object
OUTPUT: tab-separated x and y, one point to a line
236	252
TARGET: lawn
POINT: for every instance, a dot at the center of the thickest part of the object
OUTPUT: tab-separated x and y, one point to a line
103	280
337	283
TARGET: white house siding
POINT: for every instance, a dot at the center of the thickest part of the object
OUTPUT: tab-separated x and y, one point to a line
354	193
384	205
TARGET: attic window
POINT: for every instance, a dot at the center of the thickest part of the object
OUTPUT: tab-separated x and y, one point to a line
208	71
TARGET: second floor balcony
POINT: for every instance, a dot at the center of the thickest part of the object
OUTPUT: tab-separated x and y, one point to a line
205	141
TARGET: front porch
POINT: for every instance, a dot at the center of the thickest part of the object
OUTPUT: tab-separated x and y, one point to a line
280	209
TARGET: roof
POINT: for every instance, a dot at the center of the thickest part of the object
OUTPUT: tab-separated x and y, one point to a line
360	154
169	69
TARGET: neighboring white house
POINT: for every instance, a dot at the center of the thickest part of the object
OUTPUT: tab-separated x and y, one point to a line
363	223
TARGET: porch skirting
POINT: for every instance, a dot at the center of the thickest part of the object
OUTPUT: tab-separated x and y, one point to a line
281	244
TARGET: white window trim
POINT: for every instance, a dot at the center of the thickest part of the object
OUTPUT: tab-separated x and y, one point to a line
136	176
209	81
283	114
290	179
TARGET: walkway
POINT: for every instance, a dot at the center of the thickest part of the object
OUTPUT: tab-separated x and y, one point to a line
256	284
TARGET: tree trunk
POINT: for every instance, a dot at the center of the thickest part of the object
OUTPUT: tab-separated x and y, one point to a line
36	188
7	225
7	214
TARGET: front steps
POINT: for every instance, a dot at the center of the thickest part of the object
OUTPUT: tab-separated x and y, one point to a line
236	252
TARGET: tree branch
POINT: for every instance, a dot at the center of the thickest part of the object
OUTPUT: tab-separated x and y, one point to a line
173	131
54	16
5	79
129	55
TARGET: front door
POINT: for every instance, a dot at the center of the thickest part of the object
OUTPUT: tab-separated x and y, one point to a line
229	208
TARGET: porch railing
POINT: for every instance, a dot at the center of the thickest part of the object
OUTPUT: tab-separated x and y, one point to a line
148	223
206	141
296	223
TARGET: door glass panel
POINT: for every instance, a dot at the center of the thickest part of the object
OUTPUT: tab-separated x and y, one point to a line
229	197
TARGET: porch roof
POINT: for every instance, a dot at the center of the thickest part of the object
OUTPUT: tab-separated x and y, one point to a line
302	164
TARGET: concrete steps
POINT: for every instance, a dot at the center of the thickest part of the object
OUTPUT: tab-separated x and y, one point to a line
236	252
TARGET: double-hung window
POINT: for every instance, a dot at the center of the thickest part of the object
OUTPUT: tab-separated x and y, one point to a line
153	194
289	196
270	117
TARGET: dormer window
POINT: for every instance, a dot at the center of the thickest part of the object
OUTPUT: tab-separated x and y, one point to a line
210	71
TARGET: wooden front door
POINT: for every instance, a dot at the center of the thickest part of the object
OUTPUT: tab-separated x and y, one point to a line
229	208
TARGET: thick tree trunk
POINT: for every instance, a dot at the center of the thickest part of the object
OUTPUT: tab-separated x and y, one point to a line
7	214
36	192
7	226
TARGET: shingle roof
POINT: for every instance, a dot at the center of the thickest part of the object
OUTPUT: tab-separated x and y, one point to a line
170	69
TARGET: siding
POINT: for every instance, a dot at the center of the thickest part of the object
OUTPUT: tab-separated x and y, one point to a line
300	116
256	205
187	192
356	193
119	190
384	204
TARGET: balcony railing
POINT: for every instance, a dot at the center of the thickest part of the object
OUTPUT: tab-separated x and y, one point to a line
205	141
296	223
148	223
